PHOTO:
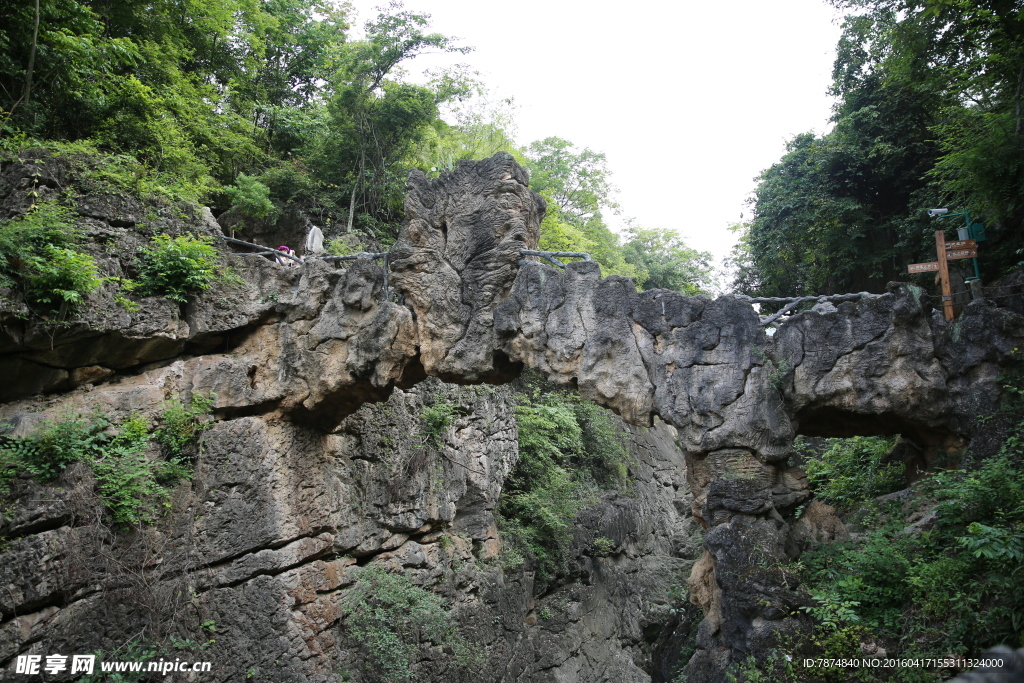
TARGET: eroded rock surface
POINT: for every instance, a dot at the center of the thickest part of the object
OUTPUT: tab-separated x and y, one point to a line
272	530
457	258
293	492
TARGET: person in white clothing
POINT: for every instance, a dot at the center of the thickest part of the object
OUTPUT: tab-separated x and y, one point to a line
315	240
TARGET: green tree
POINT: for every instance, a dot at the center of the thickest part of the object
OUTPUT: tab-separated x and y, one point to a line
376	120
579	181
928	113
481	128
666	262
577	186
251	197
845	211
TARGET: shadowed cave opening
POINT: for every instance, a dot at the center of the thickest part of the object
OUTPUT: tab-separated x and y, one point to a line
920	446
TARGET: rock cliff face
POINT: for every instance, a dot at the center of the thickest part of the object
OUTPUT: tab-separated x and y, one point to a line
280	517
301	483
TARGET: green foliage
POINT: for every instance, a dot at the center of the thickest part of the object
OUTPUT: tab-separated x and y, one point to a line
174	267
953	589
182	423
36	256
603	547
374	121
663	261
60	277
141	649
393	619
541	497
832	612
482	128
577	186
851	471
46	223
777	667
123	285
576	183
59	441
568	448
605	450
251	197
994	543
578	180
133	651
133	485
437	417
339	246
286	182
928	114
196	95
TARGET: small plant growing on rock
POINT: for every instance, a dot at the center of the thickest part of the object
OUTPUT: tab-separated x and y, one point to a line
339	246
603	547
436	420
60	277
392	618
130	483
183	423
174	267
37	256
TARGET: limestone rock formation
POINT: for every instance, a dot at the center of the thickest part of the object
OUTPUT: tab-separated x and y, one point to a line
266	539
301	483
457	258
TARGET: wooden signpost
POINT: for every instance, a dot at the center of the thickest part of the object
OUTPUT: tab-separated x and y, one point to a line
946	251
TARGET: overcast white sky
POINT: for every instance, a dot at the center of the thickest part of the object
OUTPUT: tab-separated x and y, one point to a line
688	100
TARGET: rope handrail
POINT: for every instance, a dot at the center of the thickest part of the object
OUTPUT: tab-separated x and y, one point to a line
802	299
352	257
262	249
278	252
794	301
552	255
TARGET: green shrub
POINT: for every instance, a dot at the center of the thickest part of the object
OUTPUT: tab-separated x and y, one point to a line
251	197
59	441
339	246
953	589
95	171
568	450
132	485
36	254
60	277
46	223
391	617
605	448
174	267
850	471
183	423
437	417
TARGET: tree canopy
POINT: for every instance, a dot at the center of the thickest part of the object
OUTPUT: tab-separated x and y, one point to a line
928	114
257	103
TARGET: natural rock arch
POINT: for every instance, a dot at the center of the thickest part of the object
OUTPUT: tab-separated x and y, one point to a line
314	346
737	396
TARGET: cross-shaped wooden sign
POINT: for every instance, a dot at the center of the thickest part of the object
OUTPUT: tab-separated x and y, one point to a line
946	251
